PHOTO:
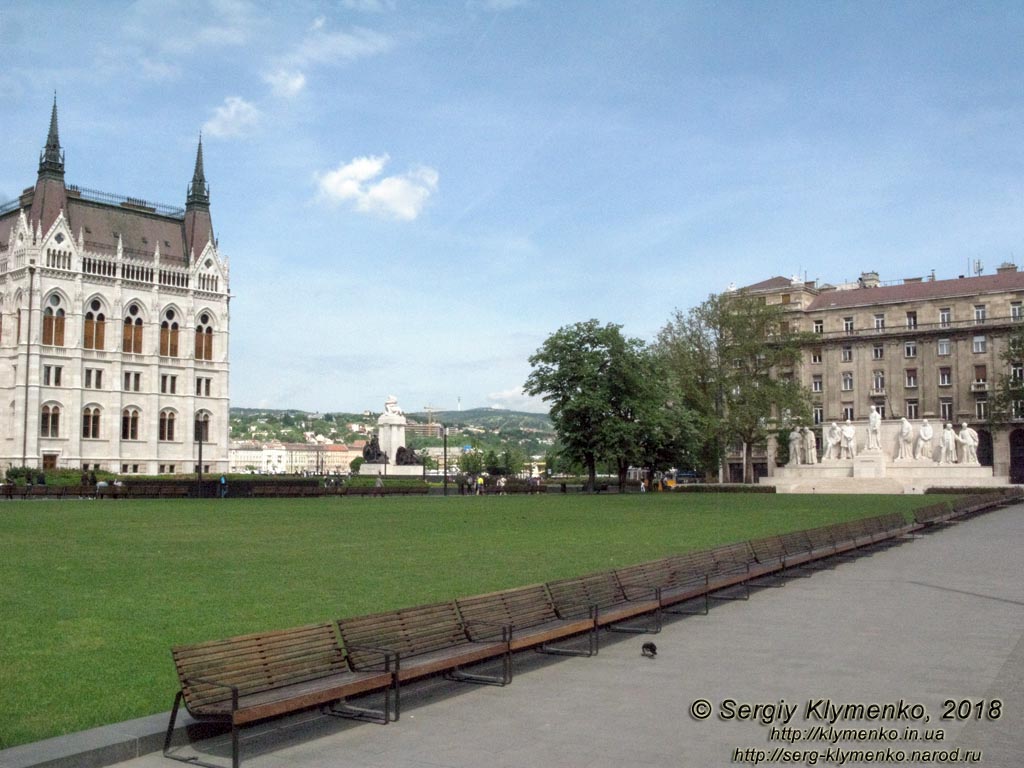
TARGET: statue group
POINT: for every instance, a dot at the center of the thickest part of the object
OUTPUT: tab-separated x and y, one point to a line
840	442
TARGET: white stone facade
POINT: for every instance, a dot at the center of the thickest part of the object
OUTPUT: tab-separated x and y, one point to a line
114	331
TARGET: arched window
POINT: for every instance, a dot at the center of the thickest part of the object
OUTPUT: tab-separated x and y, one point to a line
50	423
132	338
53	322
167	419
204	338
95	323
202	427
169	335
91	423
130	424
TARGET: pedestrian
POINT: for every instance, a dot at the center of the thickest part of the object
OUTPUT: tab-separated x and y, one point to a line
378	485
223	487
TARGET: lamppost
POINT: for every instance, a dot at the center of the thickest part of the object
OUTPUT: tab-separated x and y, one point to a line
445	468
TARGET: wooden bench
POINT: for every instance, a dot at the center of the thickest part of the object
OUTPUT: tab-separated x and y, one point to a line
531	617
602	595
673	585
244	679
426	640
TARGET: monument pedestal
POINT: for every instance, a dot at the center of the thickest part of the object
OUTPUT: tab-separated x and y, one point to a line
391	470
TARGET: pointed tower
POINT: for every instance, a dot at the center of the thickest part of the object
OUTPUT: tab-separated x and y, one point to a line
198	225
50	196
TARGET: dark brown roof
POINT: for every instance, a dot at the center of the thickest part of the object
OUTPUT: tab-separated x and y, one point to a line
932	289
769	284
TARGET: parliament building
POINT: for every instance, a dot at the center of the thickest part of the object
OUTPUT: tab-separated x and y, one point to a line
113	328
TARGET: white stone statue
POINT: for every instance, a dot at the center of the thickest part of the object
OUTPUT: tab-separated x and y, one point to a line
923	449
391	406
968	438
796	446
948	445
849	441
874	430
905	449
810	447
832	442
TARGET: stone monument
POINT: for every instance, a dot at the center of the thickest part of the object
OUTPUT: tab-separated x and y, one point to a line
386	453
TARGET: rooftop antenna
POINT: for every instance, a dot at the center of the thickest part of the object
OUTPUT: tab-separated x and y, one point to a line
978	267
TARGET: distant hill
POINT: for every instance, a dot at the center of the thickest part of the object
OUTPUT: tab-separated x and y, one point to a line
491	419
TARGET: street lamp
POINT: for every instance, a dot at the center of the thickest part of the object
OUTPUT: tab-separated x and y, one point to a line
445	468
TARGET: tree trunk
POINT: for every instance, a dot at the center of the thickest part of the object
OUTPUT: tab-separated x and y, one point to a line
623	468
591	462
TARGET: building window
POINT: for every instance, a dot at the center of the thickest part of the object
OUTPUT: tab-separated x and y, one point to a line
911	319
167	419
946	408
880	407
129	469
53	322
91	423
847	411
911	409
132	381
980	374
95	325
130	424
878	381
979	314
169	335
94	378
168	384
910	349
52	375
847	354
819	413
981	408
1017	372
945	317
816	383
1016	312
202	427
847	381
819	326
944	347
945	377
848	324
911	377
50	423
131	339
1017	409
879	322
816	356
203	386
877	351
979	344
204	338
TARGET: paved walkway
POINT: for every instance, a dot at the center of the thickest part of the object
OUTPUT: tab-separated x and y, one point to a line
934	619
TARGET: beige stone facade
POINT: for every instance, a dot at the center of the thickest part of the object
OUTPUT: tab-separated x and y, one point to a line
920	347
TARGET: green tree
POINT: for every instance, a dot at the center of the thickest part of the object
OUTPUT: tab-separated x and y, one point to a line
730	360
355	464
471	463
604	394
1007	401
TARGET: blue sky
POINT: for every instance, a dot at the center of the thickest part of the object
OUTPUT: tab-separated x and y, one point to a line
414	195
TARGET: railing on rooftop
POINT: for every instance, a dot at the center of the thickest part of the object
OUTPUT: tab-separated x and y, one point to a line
921	328
96	196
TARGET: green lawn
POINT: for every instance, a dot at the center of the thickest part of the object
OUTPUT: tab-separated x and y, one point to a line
94	594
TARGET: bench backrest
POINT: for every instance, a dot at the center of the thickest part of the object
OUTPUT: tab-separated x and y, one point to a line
257	662
655	573
768	548
573	595
795	542
821	537
518	608
931	512
408	631
731	555
689	564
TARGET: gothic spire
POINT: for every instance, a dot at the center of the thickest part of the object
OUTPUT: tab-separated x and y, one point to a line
51	159
198	190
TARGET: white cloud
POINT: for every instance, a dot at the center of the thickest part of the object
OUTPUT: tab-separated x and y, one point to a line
285	84
360	182
235	117
515	399
369	6
330	47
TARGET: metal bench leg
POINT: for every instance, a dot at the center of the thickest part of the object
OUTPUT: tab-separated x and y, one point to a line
695	612
634	629
170	725
343	709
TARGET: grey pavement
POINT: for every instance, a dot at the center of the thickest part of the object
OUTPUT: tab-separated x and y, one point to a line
934	619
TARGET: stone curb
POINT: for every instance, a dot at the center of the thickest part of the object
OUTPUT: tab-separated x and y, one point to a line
97	747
